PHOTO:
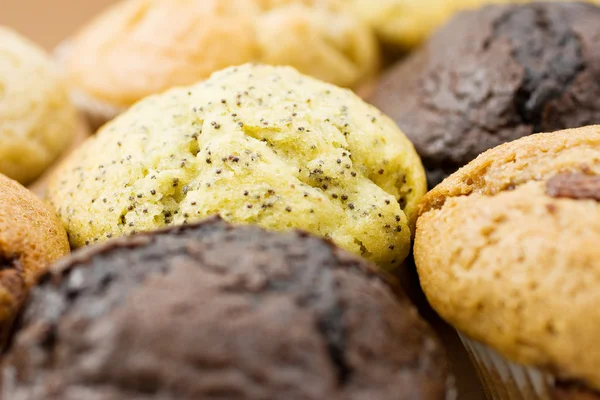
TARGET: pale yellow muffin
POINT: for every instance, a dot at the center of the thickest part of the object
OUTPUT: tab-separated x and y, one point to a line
37	121
142	47
257	144
407	23
31	238
507	251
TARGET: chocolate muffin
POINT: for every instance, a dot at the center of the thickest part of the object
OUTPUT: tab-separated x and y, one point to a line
494	75
211	311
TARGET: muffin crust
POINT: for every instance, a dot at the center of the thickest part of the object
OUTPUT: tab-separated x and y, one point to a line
142	47
205	310
495	75
505	250
31	238
255	144
37	121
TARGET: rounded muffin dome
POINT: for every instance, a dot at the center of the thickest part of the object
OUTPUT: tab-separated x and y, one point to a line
31	238
37	122
142	47
408	23
255	144
506	250
494	75
209	311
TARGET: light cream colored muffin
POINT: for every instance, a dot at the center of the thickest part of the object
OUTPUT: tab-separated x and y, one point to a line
257	144
506	250
142	47
37	121
31	238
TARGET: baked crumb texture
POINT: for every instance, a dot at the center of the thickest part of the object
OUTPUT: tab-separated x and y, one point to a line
257	145
507	251
37	121
406	24
494	75
31	238
141	47
210	311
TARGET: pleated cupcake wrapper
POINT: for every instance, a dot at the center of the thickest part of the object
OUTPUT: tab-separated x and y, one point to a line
504	380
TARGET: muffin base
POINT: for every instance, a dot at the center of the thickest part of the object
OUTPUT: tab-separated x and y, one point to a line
505	380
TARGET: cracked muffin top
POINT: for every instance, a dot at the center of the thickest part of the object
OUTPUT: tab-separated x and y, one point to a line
211	311
31	238
255	144
142	47
37	121
495	75
507	251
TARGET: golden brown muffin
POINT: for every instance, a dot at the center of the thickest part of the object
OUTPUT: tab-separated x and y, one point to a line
142	47
31	238
37	121
257	144
407	23
507	251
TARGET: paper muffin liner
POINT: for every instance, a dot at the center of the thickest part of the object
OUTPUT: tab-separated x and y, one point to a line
505	380
95	111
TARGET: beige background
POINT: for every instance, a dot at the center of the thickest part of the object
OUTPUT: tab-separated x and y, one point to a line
47	22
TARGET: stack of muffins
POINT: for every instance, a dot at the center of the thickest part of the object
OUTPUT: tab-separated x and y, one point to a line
238	214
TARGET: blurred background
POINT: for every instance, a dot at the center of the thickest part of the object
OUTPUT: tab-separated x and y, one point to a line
48	21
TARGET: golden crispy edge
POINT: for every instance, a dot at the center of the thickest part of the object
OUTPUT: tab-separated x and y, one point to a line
473	176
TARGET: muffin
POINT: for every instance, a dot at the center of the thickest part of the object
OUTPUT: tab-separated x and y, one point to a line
203	311
495	75
506	251
31	238
255	144
406	24
37	121
142	47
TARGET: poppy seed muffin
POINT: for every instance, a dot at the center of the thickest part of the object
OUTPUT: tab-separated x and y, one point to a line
141	47
204	311
495	75
31	238
506	251
255	144
37	121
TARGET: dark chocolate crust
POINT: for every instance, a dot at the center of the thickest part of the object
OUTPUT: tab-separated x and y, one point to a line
494	75
212	311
